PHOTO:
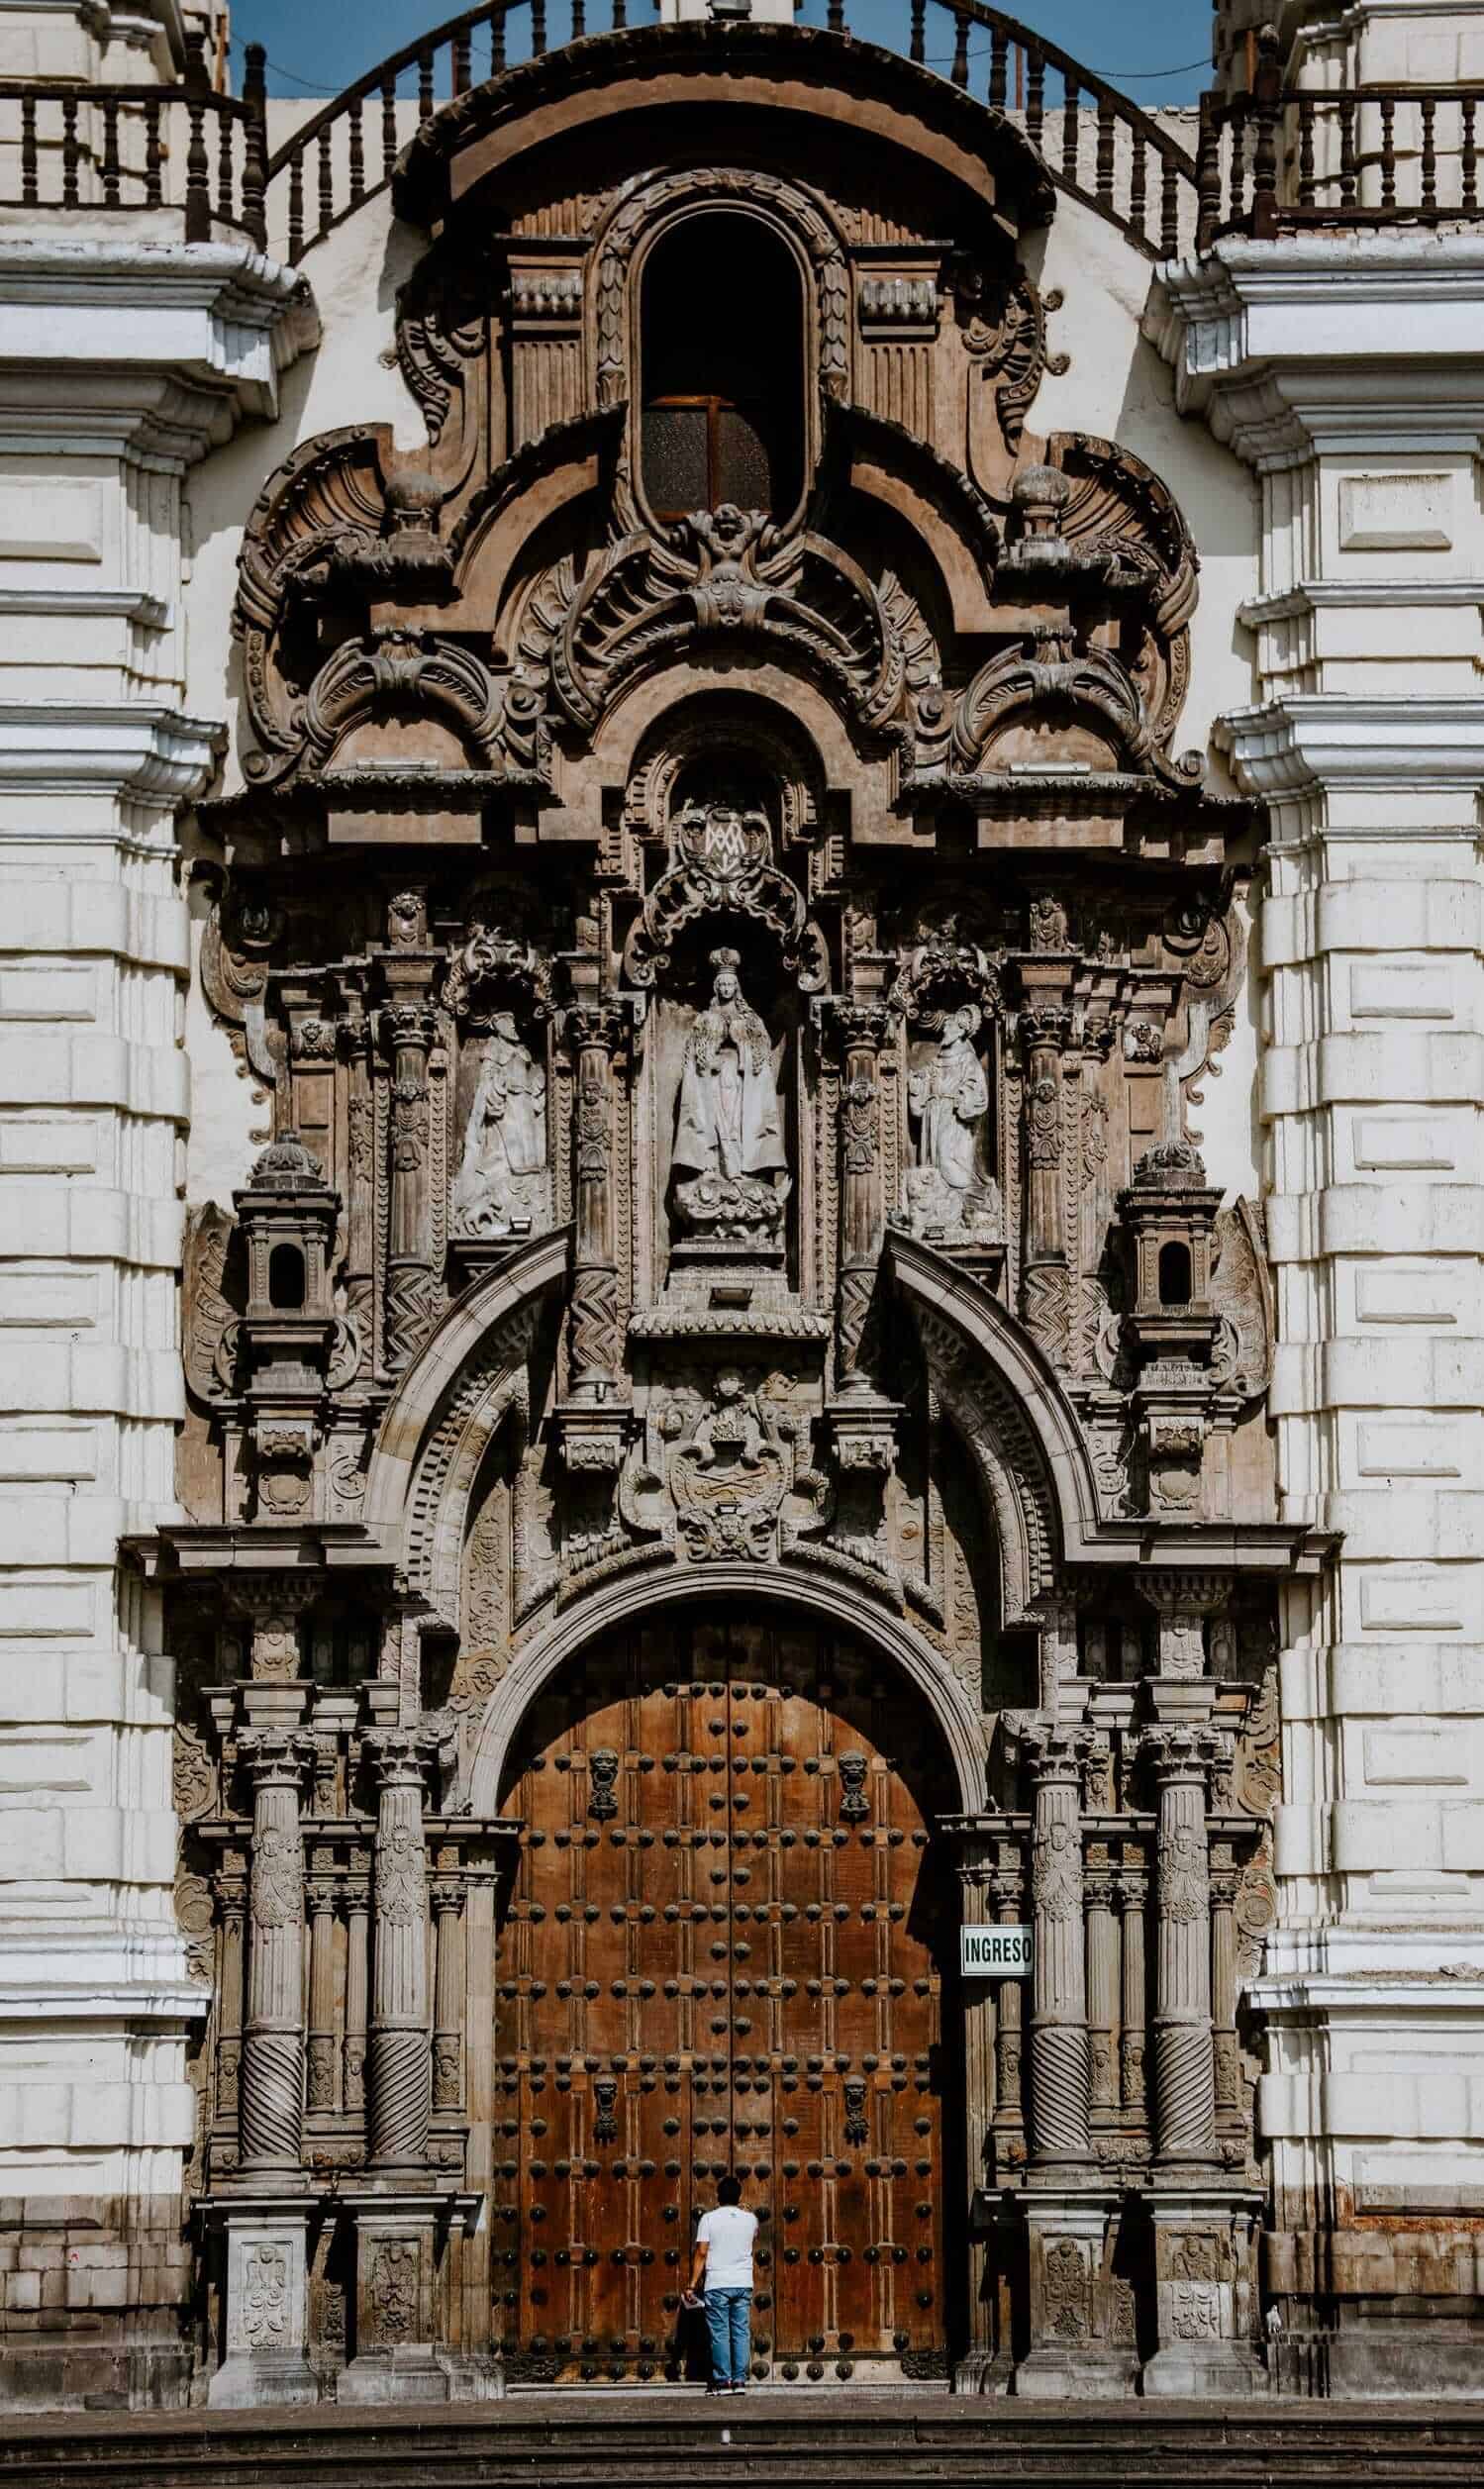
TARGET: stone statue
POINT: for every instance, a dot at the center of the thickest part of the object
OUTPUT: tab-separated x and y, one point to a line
501	1182
728	1124
949	1100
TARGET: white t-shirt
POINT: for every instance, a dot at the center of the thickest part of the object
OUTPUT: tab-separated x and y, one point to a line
726	2235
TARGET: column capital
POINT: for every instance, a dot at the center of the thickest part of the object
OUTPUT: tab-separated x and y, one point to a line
856	1022
1054	1751
1183	1750
400	1757
595	1025
276	1758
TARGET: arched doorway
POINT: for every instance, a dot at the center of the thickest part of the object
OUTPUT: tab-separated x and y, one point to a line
730	1943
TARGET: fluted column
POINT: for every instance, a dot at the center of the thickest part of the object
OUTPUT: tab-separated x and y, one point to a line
1225	1878
271	2091
400	2064
1043	1285
1009	2115
1184	2085
1058	2005
447	1993
321	2086
1132	1896
595	1033
407	1030
1101	1993
357	1965
234	1909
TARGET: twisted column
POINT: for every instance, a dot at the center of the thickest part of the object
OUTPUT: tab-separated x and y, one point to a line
1059	2004
400	2064
271	2089
1184	2082
595	1033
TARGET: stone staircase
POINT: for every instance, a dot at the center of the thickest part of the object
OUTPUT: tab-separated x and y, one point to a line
575	2441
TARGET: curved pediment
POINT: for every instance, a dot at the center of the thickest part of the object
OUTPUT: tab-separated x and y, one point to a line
786	79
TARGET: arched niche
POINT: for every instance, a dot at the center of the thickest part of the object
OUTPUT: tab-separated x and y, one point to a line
723	398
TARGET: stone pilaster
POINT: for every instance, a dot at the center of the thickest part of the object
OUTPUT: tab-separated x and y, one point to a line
357	1989
858	1029
448	1993
322	2052
1132	1888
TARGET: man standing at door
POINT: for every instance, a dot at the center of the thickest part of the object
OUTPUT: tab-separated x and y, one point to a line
723	2266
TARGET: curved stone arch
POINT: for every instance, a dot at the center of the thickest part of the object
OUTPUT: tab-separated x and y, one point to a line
446	1411
786	207
1019	1507
833	1602
1023	1423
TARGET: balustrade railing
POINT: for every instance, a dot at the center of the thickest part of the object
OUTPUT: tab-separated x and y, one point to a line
68	144
1093	141
1272	161
1267	161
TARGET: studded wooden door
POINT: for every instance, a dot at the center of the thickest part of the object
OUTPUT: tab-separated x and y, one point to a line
726	1947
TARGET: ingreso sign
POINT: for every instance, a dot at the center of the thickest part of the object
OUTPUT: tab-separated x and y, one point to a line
993	1953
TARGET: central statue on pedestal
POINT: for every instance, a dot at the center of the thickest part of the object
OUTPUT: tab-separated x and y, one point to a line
729	1124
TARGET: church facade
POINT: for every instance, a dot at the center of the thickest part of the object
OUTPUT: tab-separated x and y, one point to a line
742	1227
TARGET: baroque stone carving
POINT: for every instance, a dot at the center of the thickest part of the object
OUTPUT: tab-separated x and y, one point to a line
501	1183
949	1191
729	1156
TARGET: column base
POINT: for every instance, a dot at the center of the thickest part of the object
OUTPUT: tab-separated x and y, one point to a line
1082	2320
263	2380
983	2372
266	2312
419	2372
1205	2371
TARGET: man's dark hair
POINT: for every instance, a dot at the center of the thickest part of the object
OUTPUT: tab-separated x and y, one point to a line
729	2190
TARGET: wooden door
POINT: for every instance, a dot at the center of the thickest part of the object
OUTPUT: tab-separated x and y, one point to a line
726	1948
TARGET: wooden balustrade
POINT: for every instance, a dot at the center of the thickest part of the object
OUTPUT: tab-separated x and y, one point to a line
77	147
1274	161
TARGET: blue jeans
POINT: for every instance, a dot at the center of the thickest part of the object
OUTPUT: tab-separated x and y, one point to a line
729	2321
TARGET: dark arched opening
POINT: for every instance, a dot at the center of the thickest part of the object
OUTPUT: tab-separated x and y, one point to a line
1174	1274
721	329
286	1279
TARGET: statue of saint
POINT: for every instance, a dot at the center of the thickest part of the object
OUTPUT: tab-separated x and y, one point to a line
949	1100
502	1177
728	1125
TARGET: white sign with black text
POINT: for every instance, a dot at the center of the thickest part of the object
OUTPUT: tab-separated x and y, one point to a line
993	1953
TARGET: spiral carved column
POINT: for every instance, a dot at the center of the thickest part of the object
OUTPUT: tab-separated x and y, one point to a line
1185	2079
401	2063
271	2088
1060	2084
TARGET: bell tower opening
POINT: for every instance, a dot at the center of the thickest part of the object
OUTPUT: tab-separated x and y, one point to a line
722	345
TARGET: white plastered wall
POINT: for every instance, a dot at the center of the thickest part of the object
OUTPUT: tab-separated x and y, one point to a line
122	359
1348	374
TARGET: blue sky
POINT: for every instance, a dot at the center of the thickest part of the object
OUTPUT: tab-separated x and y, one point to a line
317	49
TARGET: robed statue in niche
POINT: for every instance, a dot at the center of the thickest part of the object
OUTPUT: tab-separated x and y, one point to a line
948	1189
729	1156
501	1184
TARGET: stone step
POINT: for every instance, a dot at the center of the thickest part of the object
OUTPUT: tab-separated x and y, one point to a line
581	2441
